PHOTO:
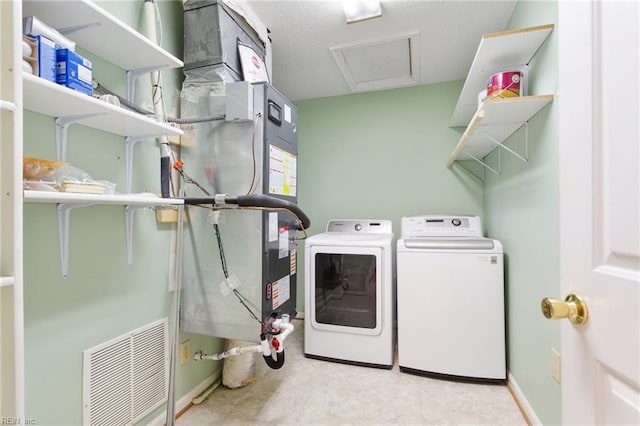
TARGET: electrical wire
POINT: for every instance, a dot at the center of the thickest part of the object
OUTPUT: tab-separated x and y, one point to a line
253	153
223	259
292	213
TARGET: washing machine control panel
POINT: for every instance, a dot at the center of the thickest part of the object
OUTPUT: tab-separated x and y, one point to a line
360	226
441	226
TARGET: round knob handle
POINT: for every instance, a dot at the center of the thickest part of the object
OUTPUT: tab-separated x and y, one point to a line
573	307
456	222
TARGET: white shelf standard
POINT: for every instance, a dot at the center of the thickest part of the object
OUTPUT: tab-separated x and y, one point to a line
101	33
12	381
497	52
493	123
68	201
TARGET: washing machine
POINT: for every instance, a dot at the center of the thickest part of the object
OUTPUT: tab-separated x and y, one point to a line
450	292
349	295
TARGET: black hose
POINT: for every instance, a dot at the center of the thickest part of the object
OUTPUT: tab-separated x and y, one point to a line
257	200
262	200
165	176
275	363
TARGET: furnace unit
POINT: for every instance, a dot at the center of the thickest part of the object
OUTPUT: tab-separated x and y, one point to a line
252	151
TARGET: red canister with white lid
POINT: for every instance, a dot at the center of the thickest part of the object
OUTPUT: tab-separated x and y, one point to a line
504	84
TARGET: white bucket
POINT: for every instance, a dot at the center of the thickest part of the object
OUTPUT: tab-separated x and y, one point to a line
239	371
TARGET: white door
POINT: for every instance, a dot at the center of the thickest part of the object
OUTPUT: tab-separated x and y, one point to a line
599	93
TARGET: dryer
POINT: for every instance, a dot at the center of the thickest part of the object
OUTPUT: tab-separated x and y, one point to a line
450	290
349	293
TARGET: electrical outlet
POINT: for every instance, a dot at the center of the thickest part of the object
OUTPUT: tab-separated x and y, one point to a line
555	365
185	351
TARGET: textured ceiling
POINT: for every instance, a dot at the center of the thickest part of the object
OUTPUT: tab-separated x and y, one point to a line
304	31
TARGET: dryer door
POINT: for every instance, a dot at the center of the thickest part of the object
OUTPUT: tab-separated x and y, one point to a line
344	289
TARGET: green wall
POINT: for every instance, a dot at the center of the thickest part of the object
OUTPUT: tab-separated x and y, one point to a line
383	155
380	155
373	155
522	210
103	297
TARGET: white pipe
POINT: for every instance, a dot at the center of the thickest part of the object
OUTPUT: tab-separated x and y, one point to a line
262	347
229	353
165	154
288	329
158	100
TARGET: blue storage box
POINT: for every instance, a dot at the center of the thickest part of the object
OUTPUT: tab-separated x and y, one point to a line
74	71
46	58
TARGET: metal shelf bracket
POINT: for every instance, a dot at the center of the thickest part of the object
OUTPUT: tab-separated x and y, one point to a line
129	213
132	75
130	142
62	127
501	146
64	212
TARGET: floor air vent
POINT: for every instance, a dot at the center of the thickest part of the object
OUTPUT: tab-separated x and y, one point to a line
126	378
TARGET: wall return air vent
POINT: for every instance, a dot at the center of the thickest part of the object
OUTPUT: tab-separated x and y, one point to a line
126	378
382	64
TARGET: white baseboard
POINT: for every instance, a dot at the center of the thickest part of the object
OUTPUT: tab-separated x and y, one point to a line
299	315
523	403
183	402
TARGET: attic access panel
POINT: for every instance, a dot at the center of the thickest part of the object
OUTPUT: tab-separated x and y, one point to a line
381	64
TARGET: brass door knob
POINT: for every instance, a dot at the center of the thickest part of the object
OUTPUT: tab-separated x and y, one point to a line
573	307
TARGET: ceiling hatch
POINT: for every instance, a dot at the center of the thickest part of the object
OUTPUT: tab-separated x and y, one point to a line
382	64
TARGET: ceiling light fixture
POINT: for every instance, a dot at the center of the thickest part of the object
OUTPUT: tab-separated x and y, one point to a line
359	10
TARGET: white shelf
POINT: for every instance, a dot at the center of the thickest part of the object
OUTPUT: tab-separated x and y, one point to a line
97	31
55	100
118	199
497	51
494	122
101	33
66	202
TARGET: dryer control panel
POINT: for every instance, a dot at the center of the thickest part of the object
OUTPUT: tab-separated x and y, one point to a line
441	226
360	226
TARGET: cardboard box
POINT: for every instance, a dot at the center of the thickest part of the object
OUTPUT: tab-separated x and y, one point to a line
46	58
74	71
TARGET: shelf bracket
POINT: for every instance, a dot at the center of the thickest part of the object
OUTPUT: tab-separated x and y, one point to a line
132	75
129	213
64	212
503	146
77	28
473	175
62	127
130	143
485	165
